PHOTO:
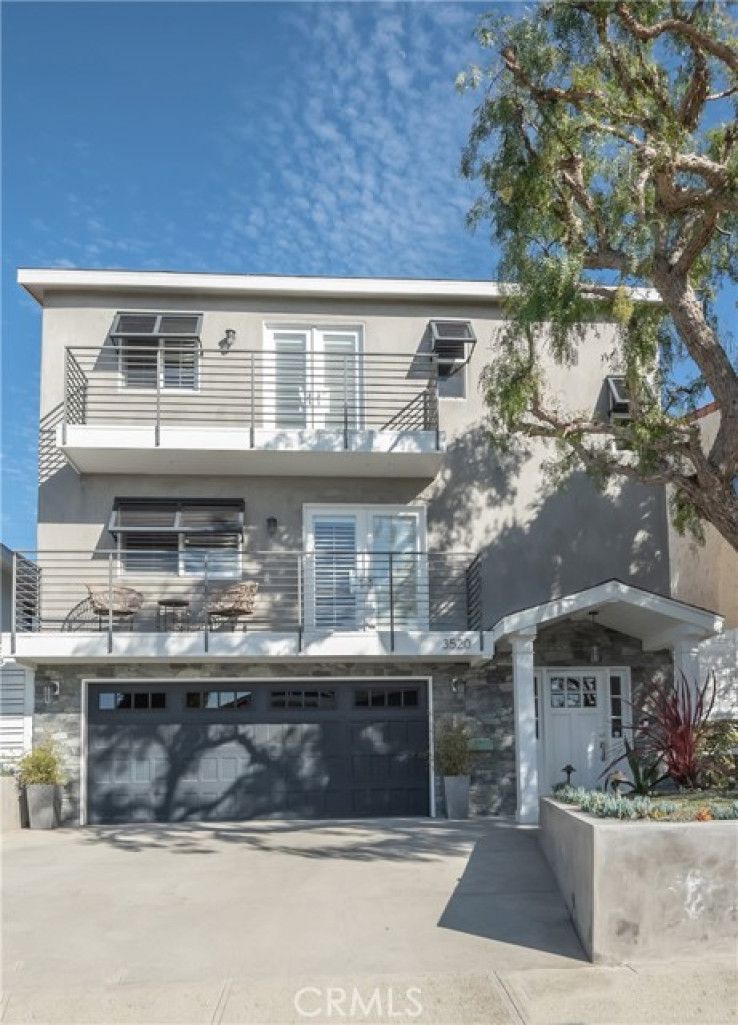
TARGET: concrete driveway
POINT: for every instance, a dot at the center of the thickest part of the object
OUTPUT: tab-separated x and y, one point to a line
294	922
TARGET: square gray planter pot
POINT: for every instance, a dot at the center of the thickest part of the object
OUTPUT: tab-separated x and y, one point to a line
44	805
456	791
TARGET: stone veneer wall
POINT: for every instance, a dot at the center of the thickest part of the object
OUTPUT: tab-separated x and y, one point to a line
481	696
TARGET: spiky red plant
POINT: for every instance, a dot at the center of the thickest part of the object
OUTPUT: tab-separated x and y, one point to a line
674	719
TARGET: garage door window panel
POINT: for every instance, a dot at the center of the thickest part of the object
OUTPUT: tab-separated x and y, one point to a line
303	699
125	701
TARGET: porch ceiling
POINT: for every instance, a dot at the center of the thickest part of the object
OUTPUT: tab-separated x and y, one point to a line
658	622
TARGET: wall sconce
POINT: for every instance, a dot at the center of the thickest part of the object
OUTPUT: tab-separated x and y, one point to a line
51	690
272	526
227	343
595	655
458	687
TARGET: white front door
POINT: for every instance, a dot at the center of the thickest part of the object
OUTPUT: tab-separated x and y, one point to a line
576	713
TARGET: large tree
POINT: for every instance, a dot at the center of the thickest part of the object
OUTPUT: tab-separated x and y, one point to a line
606	143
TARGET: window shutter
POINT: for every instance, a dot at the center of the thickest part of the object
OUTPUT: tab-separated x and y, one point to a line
182	325
136	324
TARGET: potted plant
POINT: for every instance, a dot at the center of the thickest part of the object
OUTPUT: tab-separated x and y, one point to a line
41	777
453	761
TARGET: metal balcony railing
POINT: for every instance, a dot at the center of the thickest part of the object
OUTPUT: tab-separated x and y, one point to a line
295	592
181	385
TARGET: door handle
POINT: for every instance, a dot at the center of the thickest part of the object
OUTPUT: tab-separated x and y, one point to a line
603	750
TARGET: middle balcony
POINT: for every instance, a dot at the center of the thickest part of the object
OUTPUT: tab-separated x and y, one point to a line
176	409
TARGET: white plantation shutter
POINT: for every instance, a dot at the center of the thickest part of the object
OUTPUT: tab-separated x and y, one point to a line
396	534
340	384
334	538
291	379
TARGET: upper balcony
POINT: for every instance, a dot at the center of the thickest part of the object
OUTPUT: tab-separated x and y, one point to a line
173	408
208	603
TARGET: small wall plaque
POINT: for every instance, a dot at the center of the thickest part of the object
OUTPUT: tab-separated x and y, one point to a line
480	744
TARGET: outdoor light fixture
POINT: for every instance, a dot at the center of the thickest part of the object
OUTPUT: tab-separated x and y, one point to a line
595	655
227	343
51	690
272	526
616	781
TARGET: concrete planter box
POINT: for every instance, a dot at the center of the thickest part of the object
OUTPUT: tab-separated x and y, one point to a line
644	890
11	816
44	805
456	792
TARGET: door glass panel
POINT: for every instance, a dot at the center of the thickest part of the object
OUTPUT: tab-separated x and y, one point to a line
557	692
395	580
573	692
589	691
340	391
291	397
335	572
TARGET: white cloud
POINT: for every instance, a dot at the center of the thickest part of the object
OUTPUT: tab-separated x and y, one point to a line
352	168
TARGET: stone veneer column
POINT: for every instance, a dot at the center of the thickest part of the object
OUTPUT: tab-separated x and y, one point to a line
526	745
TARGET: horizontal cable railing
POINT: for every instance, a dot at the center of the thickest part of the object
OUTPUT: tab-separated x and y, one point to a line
222	590
181	385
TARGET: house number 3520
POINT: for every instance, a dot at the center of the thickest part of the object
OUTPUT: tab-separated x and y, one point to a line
456	643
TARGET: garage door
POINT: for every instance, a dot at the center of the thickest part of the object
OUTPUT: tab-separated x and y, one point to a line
238	750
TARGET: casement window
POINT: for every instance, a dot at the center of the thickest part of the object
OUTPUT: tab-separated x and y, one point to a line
186	537
366	567
618	400
158	349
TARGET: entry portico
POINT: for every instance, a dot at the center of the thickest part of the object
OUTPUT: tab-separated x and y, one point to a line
657	622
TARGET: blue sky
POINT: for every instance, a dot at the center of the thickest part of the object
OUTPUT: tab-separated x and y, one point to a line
245	137
286	138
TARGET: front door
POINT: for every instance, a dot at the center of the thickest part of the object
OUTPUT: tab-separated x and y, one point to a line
576	716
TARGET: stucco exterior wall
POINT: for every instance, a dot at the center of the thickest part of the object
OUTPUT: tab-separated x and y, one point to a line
706	575
537	542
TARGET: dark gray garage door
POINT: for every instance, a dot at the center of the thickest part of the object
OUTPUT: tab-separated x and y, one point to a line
238	750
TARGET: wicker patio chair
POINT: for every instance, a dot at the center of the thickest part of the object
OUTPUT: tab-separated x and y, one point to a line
233	603
122	602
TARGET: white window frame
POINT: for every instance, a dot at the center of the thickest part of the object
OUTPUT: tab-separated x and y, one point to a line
314	348
156	341
364	538
181	534
155	345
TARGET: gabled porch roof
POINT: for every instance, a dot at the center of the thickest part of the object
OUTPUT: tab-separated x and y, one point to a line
658	622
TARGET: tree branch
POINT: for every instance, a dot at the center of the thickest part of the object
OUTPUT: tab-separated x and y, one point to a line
681	27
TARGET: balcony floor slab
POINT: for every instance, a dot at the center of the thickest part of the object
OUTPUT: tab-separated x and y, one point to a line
116	448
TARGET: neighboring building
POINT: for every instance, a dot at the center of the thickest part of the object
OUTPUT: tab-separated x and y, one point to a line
16	680
275	547
707	575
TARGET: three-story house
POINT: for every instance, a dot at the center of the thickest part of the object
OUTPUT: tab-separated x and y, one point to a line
276	548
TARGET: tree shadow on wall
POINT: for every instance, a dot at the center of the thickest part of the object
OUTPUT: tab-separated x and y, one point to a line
539	541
